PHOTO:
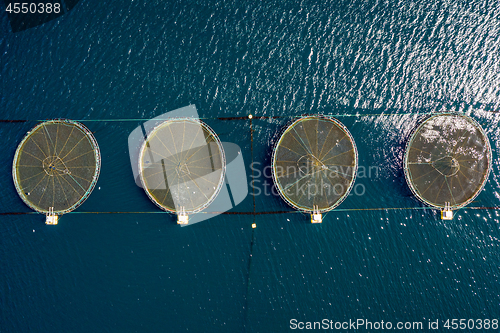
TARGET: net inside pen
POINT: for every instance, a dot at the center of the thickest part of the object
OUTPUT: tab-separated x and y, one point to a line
182	165
57	165
447	159
314	163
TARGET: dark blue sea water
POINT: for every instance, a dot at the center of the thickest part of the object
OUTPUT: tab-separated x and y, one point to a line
379	66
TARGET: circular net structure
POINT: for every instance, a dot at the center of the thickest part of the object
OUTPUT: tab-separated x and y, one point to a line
182	165
447	159
56	165
314	163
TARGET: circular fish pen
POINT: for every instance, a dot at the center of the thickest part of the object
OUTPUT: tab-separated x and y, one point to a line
447	161
56	166
182	166
314	164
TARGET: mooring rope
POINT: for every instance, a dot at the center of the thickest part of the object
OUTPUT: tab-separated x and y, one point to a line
233	118
269	212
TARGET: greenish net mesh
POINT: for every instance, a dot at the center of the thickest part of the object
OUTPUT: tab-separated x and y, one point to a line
182	165
314	163
447	159
57	165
